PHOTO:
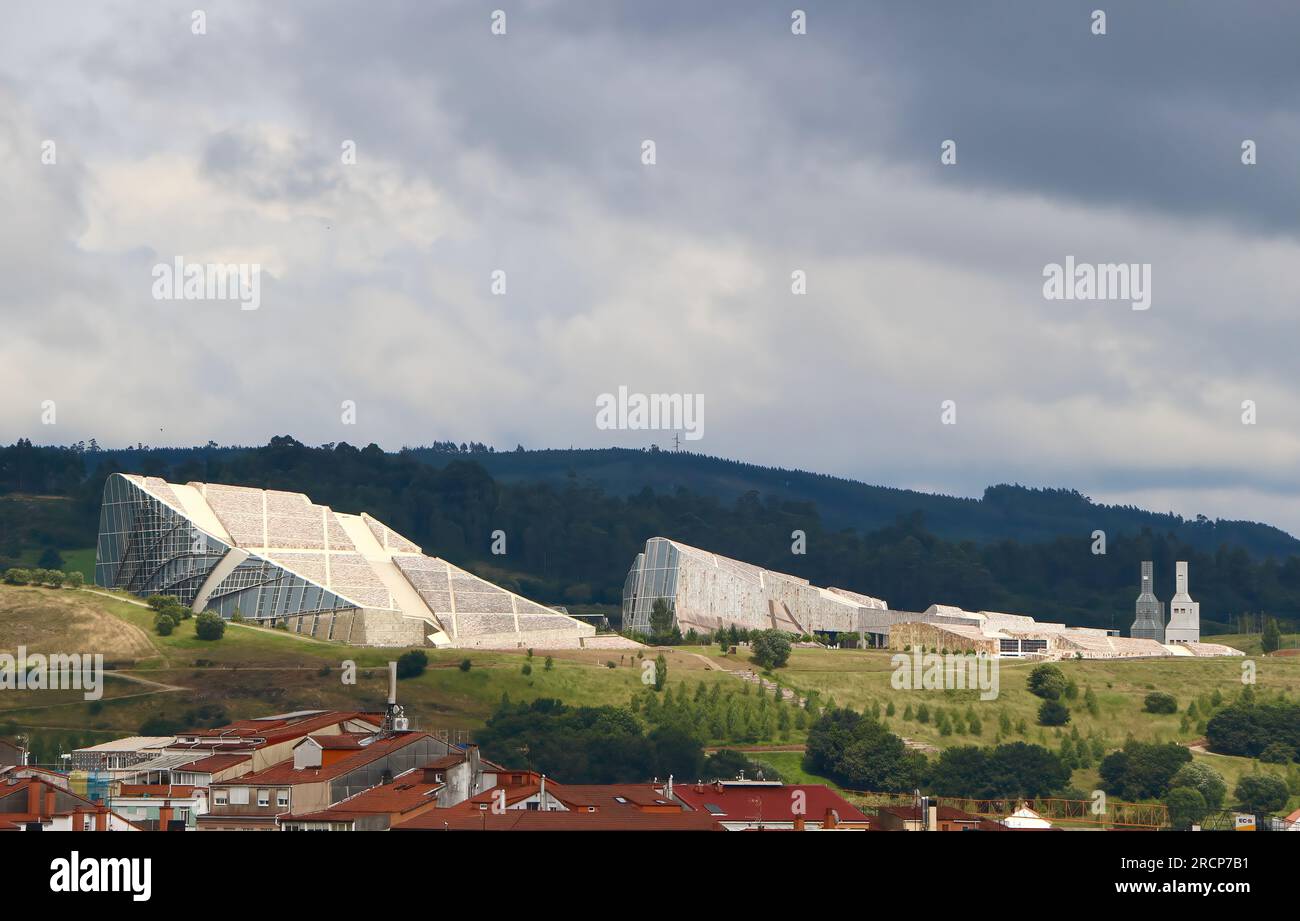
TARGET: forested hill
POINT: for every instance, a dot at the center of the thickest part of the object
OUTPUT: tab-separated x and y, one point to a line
1005	512
574	520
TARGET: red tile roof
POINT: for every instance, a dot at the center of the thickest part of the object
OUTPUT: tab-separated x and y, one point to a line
773	803
945	814
159	790
261	732
213	764
337	742
533	820
407	791
285	773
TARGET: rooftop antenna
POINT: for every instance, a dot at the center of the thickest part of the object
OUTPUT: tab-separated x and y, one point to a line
394	716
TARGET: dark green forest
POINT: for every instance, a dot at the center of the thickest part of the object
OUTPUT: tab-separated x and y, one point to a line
570	538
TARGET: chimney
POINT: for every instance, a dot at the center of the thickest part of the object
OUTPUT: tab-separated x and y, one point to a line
164	816
932	819
392	683
34	797
77	822
541	794
831	819
101	819
798	822
668	791
49	803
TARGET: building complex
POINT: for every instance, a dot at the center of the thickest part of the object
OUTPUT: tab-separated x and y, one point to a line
276	558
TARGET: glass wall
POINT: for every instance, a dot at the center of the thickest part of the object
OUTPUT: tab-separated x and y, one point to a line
147	547
653	576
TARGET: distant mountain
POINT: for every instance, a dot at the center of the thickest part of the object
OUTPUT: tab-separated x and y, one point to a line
1005	512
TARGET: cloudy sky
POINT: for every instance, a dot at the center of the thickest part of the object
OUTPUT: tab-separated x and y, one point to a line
775	152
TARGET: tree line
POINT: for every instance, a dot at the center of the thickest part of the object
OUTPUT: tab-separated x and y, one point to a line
572	542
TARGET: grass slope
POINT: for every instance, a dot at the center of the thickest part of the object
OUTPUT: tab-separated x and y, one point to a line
255	671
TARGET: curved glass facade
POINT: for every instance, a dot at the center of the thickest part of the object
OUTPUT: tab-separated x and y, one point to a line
146	546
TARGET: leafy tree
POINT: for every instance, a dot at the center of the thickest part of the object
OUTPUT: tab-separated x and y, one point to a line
771	649
1047	681
858	752
1248	728
1186	807
1142	770
1203	778
1262	793
1023	770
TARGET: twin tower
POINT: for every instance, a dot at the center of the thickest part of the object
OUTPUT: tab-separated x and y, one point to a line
1184	613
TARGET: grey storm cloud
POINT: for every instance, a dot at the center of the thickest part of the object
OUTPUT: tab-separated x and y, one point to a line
775	152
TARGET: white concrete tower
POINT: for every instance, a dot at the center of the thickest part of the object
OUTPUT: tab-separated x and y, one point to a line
1184	613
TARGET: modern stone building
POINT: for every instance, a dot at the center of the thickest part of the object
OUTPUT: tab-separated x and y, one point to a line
1184	613
705	591
277	558
1150	621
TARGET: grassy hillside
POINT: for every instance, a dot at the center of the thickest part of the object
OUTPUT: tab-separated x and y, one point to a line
255	671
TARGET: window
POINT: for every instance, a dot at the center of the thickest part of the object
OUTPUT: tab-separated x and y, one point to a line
282	797
220	797
239	796
263	797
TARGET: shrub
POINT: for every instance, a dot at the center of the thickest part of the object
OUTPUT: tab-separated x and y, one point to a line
73	580
209	626
1053	713
412	663
1160	702
17	576
163	625
466	665
527	669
